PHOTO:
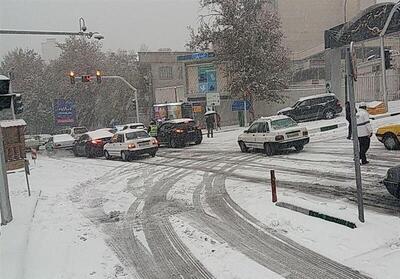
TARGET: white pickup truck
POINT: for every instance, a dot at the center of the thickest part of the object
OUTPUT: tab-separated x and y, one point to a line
274	133
130	143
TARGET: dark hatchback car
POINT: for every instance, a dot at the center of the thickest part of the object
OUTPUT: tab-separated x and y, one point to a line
178	133
91	144
392	181
324	106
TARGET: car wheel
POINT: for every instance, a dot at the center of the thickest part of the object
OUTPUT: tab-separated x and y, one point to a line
107	155
243	147
75	152
329	114
173	143
125	156
153	154
269	149
299	148
199	139
391	142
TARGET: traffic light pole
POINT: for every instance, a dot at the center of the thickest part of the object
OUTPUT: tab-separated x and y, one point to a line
131	87
383	66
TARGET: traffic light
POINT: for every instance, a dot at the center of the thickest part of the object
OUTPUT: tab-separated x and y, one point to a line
72	77
4	84
388	59
98	76
18	104
86	78
5	102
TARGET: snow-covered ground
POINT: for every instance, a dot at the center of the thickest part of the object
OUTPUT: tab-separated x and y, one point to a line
87	218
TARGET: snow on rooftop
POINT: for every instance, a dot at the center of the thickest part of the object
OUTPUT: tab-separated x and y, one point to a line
12	123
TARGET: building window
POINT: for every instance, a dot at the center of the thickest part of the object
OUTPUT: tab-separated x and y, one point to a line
165	72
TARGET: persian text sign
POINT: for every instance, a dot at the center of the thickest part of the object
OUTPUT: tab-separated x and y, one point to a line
64	112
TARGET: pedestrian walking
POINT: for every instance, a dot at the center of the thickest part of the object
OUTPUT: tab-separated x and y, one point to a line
218	118
348	118
364	130
210	121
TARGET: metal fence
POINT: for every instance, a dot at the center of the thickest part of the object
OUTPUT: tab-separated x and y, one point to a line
369	88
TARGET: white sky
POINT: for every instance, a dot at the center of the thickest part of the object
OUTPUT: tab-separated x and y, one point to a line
126	24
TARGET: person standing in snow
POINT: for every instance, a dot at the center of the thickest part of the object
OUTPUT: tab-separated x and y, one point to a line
348	118
210	120
364	129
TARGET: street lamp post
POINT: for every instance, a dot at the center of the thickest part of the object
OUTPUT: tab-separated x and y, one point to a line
82	32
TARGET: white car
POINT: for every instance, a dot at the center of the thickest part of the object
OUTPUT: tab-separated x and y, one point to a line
130	143
274	133
64	141
134	126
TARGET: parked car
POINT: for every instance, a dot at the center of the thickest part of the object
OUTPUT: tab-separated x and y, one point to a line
133	126
389	135
324	106
43	138
179	132
64	141
91	144
129	143
274	133
392	181
32	142
75	132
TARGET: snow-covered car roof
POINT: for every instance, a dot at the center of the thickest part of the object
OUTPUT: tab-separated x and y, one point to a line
182	120
317	96
273	117
99	134
134	124
12	123
63	137
130	131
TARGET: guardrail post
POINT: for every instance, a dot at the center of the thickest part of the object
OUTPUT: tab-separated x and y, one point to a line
273	187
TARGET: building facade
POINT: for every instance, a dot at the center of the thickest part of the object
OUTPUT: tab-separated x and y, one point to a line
304	22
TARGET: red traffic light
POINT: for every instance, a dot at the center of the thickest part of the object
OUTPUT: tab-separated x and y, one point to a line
86	78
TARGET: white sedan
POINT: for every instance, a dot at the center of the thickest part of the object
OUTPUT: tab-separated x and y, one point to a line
131	143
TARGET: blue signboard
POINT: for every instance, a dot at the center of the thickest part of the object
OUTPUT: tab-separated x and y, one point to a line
239	105
207	78
196	56
64	112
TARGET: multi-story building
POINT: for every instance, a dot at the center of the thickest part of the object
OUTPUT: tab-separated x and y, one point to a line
304	21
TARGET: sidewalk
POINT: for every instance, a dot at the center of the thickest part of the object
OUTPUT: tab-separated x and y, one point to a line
49	238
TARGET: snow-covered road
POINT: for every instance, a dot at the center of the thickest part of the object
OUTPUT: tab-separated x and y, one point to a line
205	212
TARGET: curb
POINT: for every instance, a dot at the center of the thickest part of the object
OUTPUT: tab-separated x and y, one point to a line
317	214
384	115
326	128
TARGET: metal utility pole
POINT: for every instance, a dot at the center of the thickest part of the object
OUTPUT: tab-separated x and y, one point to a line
382	39
131	87
245	112
5	205
82	32
351	77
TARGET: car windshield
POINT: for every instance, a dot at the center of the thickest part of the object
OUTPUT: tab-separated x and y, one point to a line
137	135
283	123
80	130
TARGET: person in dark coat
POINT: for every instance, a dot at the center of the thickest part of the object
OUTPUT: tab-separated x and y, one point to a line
348	118
210	121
